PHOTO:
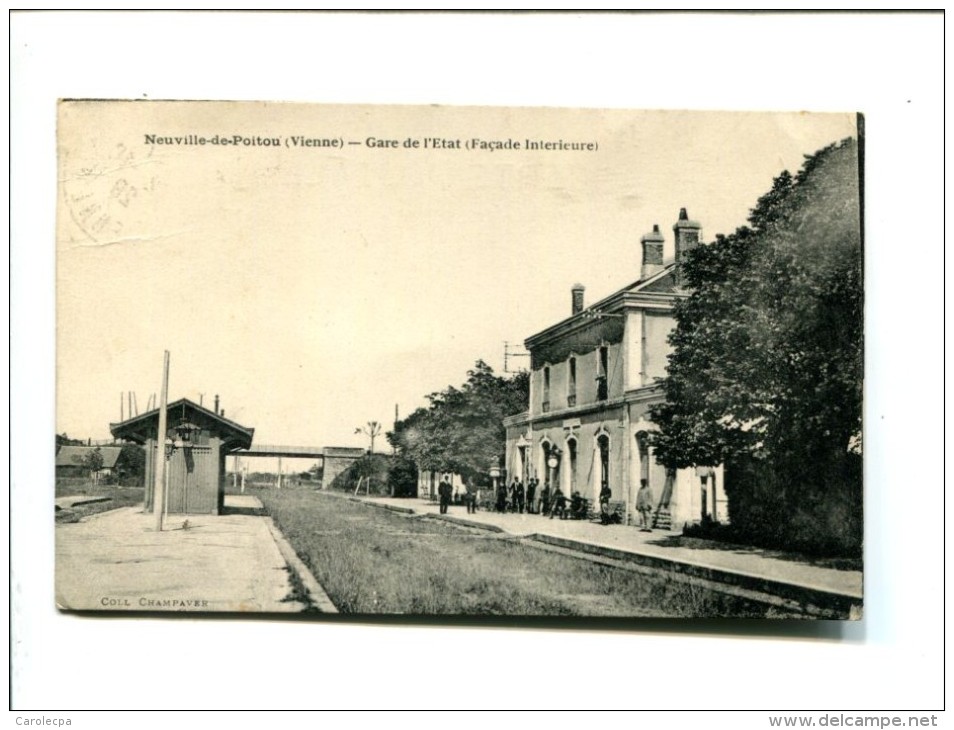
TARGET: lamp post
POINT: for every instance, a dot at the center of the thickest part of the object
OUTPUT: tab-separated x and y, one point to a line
159	477
553	462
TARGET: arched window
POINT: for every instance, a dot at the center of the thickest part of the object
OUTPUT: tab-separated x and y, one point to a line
642	445
602	377
571	383
546	388
545	449
571	453
602	443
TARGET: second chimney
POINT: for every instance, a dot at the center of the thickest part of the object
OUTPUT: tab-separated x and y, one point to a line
578	290
216	404
652	244
687	233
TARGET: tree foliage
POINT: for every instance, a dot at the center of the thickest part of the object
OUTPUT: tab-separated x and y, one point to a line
462	429
93	461
767	364
131	465
402	477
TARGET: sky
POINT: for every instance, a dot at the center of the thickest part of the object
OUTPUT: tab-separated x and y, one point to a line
316	288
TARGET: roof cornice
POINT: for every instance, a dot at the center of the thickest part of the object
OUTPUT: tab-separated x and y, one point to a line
130	425
617	304
651	393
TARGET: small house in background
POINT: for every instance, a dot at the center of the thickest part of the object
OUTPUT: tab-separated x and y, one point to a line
79	461
195	446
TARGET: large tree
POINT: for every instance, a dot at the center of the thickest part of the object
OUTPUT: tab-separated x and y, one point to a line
93	462
462	428
767	366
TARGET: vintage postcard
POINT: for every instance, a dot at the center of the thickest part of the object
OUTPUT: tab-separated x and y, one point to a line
436	361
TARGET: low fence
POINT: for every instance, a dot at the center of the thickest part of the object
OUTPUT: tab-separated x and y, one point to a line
83	483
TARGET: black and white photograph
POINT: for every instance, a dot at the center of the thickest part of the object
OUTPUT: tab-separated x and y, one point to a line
459	361
484	360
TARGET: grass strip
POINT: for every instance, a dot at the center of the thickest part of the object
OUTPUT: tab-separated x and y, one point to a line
379	561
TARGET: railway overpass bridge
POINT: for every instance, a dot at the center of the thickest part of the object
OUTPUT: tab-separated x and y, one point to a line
334	459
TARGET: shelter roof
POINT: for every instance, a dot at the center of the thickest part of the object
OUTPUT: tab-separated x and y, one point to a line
143	427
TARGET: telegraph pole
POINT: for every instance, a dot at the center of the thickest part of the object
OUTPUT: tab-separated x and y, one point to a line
508	354
159	486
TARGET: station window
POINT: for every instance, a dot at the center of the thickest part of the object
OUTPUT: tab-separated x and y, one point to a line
602	389
571	384
546	389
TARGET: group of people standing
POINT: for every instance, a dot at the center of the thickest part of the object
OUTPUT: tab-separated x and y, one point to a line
518	498
445	492
551	503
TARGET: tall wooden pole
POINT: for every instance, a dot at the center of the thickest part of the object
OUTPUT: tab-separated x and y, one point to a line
159	487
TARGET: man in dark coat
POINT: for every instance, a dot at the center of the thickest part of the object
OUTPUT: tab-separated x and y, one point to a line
471	497
531	495
545	499
502	497
577	506
445	491
559	504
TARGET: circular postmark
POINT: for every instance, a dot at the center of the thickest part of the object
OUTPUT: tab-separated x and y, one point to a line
99	194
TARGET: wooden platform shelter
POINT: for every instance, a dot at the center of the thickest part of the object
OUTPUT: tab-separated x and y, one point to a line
195	446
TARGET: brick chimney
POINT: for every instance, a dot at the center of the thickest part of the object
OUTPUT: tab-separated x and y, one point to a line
578	290
687	233
216	404
652	244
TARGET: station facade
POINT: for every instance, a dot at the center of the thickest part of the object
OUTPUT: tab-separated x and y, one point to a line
594	377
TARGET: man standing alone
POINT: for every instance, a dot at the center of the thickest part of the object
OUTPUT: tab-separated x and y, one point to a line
445	490
644	505
471	496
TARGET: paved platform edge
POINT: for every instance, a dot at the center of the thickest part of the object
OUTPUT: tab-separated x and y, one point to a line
319	598
841	603
378	505
463	521
114	510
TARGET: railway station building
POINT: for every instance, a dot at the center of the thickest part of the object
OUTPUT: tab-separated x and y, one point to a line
594	377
